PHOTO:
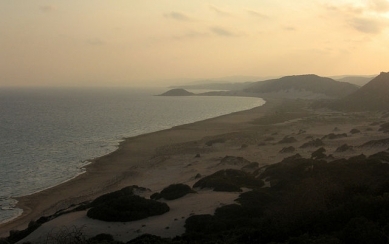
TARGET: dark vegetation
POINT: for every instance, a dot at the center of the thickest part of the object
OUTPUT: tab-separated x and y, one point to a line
172	192
123	206
232	160
355	131
319	153
313	143
383	156
333	136
384	127
377	143
17	235
309	201
214	141
290	149
229	180
250	167
344	148
287	139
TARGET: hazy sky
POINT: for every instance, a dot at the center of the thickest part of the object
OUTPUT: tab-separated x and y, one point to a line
143	42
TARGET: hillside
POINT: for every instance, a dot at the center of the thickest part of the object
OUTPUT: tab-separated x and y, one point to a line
217	86
372	96
356	80
309	86
177	92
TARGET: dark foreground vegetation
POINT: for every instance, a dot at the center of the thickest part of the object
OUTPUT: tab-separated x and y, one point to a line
172	192
309	201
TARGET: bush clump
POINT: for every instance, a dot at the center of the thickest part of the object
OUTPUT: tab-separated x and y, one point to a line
333	136
173	191
214	141
287	139
123	206
355	131
229	180
313	143
346	201
384	127
344	148
288	150
319	153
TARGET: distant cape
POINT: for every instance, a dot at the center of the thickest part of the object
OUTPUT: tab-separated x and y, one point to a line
177	92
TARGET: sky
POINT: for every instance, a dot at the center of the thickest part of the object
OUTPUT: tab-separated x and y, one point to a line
157	43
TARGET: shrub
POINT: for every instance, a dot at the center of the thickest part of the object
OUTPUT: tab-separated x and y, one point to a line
313	143
126	191
173	192
127	208
148	239
355	131
319	153
229	180
344	148
287	139
333	136
214	141
288	149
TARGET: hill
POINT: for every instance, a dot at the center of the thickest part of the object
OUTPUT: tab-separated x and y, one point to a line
177	92
217	86
372	96
303	86
357	80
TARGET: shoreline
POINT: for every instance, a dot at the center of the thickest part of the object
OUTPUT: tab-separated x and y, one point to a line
101	177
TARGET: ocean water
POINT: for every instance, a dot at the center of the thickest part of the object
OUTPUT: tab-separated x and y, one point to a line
47	135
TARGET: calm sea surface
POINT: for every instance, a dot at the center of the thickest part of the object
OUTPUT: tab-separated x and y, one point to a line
48	135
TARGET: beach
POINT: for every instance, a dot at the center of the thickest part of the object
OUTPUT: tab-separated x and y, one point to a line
121	167
178	155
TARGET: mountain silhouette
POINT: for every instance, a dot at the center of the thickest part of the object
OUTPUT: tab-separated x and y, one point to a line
308	83
372	96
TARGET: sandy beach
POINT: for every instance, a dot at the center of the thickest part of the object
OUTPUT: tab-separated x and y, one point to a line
158	159
125	166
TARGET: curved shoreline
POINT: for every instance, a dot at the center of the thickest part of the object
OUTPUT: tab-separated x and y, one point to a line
119	168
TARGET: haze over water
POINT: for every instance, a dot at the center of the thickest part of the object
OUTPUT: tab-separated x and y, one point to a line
47	135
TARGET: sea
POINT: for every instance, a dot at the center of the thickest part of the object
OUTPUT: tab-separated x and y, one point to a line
48	135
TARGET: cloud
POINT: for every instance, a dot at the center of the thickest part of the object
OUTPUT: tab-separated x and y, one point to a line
219	11
47	8
178	16
380	6
257	14
369	26
95	42
348	9
361	18
191	35
222	32
289	28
